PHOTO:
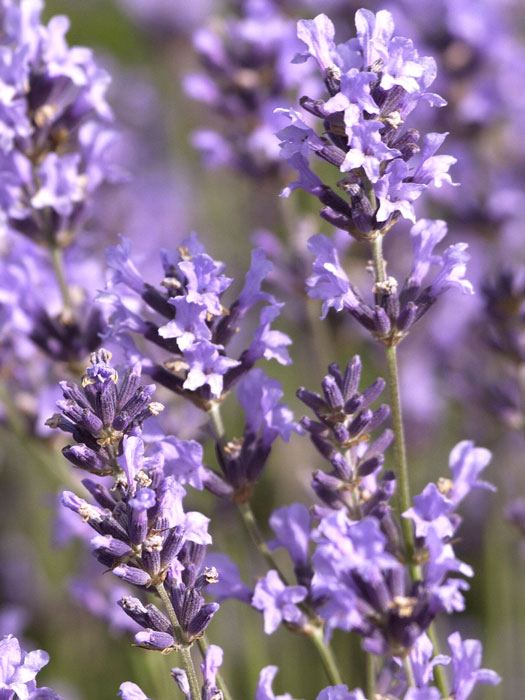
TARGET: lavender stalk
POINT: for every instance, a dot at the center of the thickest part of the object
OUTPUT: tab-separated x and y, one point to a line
183	649
314	630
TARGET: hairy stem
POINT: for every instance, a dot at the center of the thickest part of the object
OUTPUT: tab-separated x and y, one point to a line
327	657
400	455
184	650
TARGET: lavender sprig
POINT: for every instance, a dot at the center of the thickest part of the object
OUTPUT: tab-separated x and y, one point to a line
143	535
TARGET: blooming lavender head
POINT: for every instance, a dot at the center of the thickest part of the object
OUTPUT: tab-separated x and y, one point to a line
54	143
192	324
374	82
247	72
100	413
147	540
395	308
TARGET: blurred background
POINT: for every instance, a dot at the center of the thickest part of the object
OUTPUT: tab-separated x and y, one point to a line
185	167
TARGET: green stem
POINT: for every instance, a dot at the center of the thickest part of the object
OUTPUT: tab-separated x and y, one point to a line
184	650
370	675
377	256
216	420
400	456
400	453
409	672
252	527
58	266
440	677
203	645
327	657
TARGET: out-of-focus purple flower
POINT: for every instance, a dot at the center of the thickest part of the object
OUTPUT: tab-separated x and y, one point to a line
260	396
131	691
207	367
340	692
162	17
291	525
466	463
53	122
183	459
264	686
18	671
210	667
466	662
329	281
431	510
423	661
246	60
278	602
242	460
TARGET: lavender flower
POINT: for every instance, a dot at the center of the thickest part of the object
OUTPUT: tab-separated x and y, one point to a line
246	72
340	433
374	82
242	460
394	313
131	691
202	327
99	415
264	687
18	671
466	662
278	602
53	117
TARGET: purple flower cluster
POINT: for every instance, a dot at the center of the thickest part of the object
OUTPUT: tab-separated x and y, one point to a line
357	580
366	558
394	312
465	661
195	327
143	534
374	82
55	142
341	434
247	64
101	414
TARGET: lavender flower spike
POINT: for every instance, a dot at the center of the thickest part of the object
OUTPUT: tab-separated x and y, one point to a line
374	82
